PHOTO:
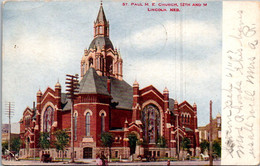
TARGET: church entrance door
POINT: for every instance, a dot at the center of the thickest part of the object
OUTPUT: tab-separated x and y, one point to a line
87	153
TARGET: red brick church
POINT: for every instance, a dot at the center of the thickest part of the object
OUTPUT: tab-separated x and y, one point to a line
106	103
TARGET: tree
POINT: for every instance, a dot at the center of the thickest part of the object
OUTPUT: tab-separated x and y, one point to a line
204	145
4	146
62	140
15	144
132	142
217	147
107	140
161	142
44	140
185	143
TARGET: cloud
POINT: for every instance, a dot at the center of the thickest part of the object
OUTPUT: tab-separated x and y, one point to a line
163	72
201	80
190	32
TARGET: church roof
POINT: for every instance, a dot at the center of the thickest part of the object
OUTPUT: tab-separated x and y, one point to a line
101	15
65	102
121	91
91	83
171	104
188	129
100	42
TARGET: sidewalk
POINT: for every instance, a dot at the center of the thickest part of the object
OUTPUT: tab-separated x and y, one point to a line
92	162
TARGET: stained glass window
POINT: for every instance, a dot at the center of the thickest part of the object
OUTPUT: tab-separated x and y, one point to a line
88	124
48	119
151	123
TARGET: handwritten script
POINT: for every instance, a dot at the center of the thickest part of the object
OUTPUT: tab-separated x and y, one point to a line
240	88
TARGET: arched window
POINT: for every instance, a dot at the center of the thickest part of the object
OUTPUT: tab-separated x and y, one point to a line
88	124
102	122
96	30
98	66
109	65
118	68
151	123
100	29
48	119
90	62
75	126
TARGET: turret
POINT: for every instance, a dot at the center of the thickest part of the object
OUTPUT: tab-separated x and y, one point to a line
195	107
176	105
39	99
101	25
136	111
101	53
135	92
166	98
58	94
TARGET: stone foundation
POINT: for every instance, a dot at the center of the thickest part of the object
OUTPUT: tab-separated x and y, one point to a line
116	152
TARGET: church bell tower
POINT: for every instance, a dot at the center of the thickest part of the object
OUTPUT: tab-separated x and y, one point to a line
101	54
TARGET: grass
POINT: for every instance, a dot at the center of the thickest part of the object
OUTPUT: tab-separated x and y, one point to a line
115	160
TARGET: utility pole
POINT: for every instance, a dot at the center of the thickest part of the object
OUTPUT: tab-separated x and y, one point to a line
9	113
178	140
210	136
34	109
72	88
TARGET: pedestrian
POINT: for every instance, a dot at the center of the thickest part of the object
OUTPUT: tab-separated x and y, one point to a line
98	160
168	162
103	158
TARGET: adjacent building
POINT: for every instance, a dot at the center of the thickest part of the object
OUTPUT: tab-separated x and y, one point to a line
216	130
107	103
15	132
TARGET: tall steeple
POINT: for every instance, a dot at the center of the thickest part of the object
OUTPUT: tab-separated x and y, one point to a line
101	25
101	54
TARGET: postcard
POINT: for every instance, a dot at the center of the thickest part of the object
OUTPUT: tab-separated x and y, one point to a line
123	82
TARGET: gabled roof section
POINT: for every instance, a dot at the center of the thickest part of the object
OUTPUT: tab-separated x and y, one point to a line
91	83
48	90
151	88
101	15
28	109
187	104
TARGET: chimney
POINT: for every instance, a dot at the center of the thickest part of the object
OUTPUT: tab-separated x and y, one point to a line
109	85
34	106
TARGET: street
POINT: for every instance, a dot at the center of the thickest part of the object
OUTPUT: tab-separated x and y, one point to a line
92	162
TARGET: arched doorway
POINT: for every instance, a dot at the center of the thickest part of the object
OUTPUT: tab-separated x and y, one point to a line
132	142
87	153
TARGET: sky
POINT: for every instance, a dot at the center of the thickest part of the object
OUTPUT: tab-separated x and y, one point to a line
44	41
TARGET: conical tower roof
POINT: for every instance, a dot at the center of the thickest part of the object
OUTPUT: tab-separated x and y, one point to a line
101	15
